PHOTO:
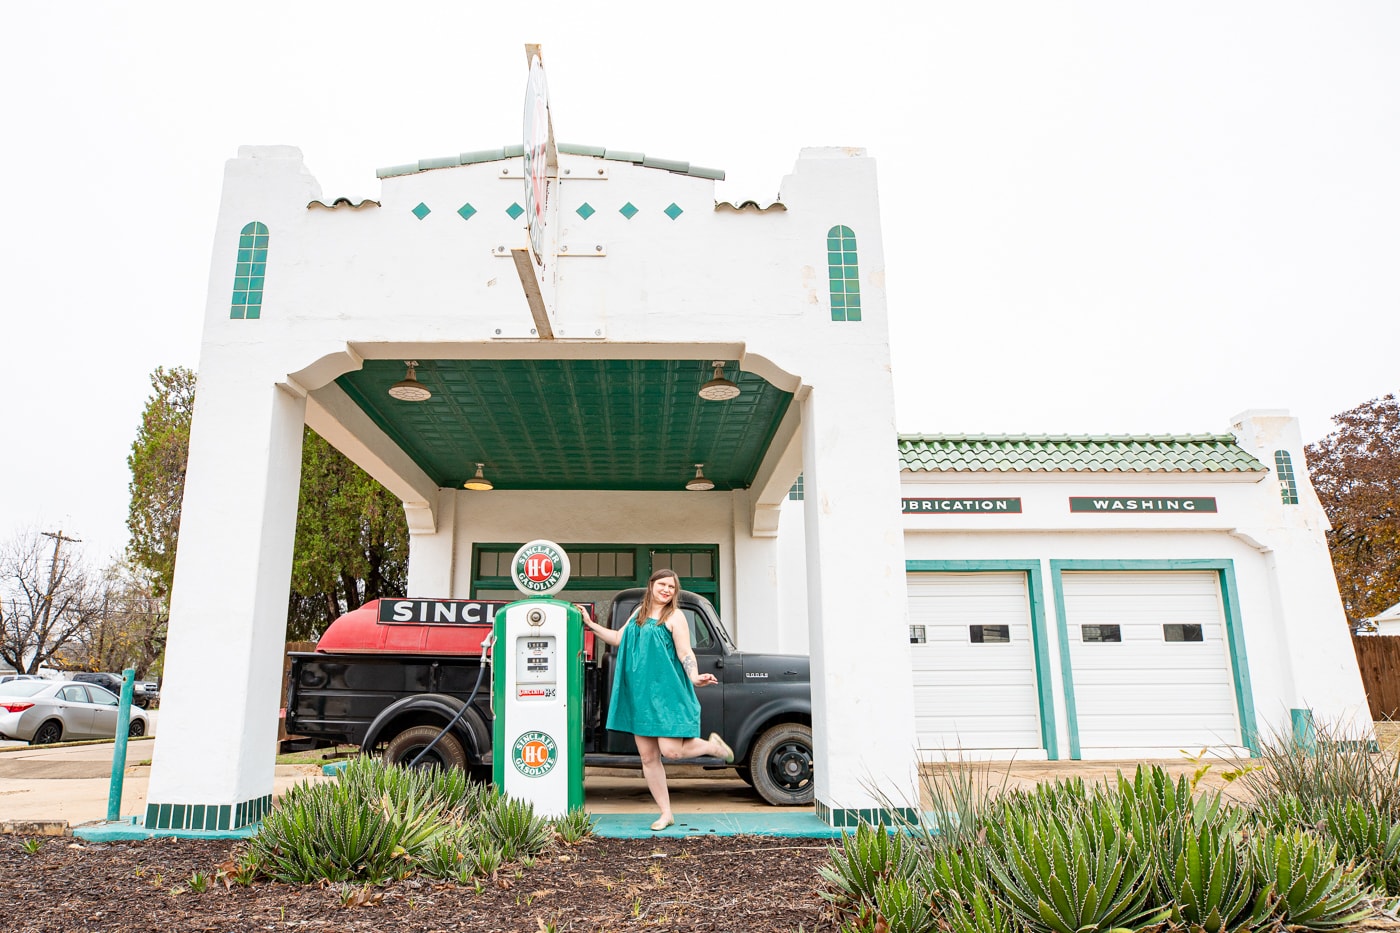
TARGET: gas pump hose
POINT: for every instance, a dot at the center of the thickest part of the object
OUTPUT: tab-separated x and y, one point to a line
481	672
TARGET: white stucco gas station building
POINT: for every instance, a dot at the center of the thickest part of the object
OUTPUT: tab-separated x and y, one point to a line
1047	597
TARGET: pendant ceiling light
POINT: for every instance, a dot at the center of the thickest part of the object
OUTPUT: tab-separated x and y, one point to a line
698	483
719	389
409	389
479	482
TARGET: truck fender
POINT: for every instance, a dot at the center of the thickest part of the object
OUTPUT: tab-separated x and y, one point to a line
439	706
779	709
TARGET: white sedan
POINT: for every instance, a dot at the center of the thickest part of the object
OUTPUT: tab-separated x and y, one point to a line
42	712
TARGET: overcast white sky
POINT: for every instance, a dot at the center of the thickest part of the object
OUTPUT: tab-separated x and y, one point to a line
1098	217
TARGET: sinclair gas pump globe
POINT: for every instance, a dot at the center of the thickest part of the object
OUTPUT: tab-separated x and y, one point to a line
537	678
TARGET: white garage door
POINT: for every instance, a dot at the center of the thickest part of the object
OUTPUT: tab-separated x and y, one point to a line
974	668
1149	661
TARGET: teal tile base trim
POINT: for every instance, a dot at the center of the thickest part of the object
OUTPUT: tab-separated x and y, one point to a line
802	824
1304	730
133	828
839	819
207	817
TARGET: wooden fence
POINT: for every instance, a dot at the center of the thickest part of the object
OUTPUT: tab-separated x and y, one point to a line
1378	656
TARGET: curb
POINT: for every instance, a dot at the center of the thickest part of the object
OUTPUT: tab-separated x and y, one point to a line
35	828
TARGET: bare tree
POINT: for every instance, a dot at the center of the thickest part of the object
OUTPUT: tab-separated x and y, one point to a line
129	629
47	598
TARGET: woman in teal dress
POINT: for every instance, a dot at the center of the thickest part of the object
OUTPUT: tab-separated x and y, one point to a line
654	681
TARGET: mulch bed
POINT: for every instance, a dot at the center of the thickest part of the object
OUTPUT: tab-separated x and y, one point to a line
703	883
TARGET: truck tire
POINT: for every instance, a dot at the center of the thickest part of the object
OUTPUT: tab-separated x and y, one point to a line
782	767
447	753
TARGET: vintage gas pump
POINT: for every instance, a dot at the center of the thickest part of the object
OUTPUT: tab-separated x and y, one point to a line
537	683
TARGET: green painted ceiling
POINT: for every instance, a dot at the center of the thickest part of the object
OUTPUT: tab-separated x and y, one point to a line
574	424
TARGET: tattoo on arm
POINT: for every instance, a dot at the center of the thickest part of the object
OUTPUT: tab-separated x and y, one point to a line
688	662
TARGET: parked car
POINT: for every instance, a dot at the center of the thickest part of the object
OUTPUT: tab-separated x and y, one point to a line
6	678
41	712
144	693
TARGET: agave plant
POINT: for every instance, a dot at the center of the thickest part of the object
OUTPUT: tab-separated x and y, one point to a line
959	882
512	825
862	861
1208	885
331	832
1153	805
903	906
1336	764
1075	871
574	826
1363	833
1309	889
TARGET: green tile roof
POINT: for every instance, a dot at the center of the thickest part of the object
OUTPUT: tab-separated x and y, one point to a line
516	151
1071	453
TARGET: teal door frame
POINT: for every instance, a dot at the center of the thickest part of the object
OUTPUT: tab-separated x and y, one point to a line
1040	644
1234	635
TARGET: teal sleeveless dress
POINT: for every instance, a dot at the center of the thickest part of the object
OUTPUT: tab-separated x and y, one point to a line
651	695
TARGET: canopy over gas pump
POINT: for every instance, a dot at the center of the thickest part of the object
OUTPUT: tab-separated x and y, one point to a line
537	683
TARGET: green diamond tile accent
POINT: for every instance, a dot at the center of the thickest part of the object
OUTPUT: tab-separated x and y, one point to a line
1066	453
422	210
466	211
628	210
584	420
674	211
515	210
585	210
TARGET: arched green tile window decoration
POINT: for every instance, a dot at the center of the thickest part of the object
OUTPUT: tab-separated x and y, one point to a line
843	274
797	491
1287	482
248	275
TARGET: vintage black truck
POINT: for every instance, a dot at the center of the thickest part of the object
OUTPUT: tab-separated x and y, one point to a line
388	676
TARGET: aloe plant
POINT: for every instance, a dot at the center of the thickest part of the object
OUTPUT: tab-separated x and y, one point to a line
1207	883
1075	871
1309	889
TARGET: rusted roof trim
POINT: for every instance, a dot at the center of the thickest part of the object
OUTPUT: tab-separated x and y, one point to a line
516	151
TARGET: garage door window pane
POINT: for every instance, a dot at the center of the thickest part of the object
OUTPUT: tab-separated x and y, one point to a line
990	634
1182	631
917	635
1101	633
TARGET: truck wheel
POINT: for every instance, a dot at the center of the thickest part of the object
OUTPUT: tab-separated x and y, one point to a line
781	765
404	747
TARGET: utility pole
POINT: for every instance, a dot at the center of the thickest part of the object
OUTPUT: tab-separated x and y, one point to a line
58	539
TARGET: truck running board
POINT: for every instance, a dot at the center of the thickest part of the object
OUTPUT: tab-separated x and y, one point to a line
635	761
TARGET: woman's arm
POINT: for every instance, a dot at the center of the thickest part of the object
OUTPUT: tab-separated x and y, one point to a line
680	634
608	635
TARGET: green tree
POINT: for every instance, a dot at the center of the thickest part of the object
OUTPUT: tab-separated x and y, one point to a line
351	538
1356	472
157	464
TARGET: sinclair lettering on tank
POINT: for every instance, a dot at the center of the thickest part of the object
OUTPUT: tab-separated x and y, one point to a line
1005	506
439	611
1136	504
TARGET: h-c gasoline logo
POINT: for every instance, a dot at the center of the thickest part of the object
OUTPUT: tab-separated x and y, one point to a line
534	754
540	569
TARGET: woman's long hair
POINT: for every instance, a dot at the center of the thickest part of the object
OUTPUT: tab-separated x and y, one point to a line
662	612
